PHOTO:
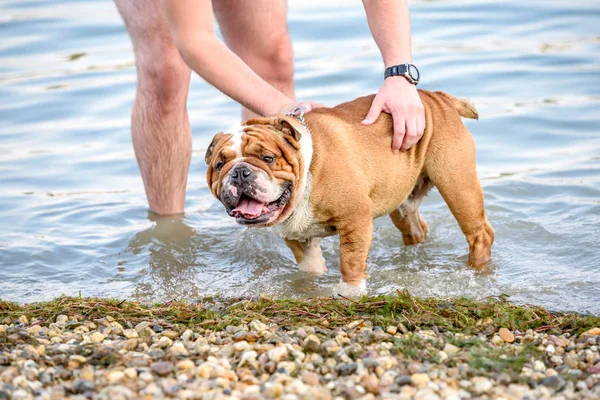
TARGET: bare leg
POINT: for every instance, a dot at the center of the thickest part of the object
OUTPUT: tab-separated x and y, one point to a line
258	34
308	255
160	128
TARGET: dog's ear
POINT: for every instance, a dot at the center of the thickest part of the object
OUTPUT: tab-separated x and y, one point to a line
211	147
291	127
292	130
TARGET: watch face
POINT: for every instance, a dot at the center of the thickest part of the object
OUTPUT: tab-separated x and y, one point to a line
414	72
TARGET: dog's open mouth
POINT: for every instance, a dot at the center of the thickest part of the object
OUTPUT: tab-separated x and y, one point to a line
252	211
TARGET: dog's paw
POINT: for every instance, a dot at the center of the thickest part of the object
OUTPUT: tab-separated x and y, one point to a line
313	265
347	290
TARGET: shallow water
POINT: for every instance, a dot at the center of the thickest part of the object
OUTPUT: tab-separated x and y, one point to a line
73	213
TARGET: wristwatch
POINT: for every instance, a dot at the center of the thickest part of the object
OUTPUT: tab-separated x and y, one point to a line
409	71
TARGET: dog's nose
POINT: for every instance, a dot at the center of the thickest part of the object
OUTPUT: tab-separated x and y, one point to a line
240	173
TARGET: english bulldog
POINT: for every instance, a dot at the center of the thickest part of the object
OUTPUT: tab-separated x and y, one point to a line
331	175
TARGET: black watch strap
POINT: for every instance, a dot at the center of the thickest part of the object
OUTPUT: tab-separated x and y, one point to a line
396	70
406	70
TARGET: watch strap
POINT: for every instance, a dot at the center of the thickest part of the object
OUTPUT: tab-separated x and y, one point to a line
396	70
405	70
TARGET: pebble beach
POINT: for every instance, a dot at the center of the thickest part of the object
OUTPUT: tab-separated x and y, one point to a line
382	348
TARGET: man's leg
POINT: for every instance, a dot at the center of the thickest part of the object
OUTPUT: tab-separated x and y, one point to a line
160	128
257	32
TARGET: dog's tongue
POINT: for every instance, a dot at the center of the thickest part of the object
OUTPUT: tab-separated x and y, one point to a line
248	207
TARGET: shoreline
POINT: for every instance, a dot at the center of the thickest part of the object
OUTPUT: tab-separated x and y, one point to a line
378	347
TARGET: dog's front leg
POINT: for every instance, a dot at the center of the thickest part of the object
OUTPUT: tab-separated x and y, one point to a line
308	255
355	241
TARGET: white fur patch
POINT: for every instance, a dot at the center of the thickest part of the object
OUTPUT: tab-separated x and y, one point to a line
313	262
302	224
298	225
306	148
236	140
350	291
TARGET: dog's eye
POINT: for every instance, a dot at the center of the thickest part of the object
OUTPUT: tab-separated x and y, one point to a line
219	165
269	159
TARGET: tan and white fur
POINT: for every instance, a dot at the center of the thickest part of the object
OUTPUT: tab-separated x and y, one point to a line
340	175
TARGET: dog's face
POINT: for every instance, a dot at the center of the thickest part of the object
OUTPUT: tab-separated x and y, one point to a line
256	172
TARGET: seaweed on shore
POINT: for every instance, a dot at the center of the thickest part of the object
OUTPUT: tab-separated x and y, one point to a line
460	314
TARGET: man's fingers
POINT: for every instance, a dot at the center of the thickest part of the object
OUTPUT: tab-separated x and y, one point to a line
411	136
373	113
310	105
399	132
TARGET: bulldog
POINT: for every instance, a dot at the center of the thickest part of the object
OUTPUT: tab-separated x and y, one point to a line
331	175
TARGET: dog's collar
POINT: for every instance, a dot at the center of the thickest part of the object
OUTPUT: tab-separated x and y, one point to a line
298	113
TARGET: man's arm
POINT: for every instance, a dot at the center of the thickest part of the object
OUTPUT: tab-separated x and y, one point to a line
191	25
389	23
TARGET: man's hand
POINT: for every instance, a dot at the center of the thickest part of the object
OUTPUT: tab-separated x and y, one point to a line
399	98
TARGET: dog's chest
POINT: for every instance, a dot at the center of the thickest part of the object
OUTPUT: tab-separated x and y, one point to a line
303	224
303	227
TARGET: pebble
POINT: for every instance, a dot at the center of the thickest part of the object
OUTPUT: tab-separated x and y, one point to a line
97	337
248	359
451	349
497	340
481	385
310	378
404	380
273	389
370	383
162	368
312	344
443	356
164	342
187	335
241	346
130	373
506	335
185	365
592	332
130	334
114	376
330	347
570	361
346	369
204	370
278	353
34	330
258	326
539	365
555	382
171	334
420	379
84	386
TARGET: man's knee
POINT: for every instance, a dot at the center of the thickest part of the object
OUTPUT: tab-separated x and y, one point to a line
164	79
274	61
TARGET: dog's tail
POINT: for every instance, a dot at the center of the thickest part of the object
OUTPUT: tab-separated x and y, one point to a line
464	107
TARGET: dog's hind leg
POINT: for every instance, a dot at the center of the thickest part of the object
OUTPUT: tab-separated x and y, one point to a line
451	168
407	218
308	255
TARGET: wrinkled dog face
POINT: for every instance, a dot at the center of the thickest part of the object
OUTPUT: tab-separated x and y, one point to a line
255	171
